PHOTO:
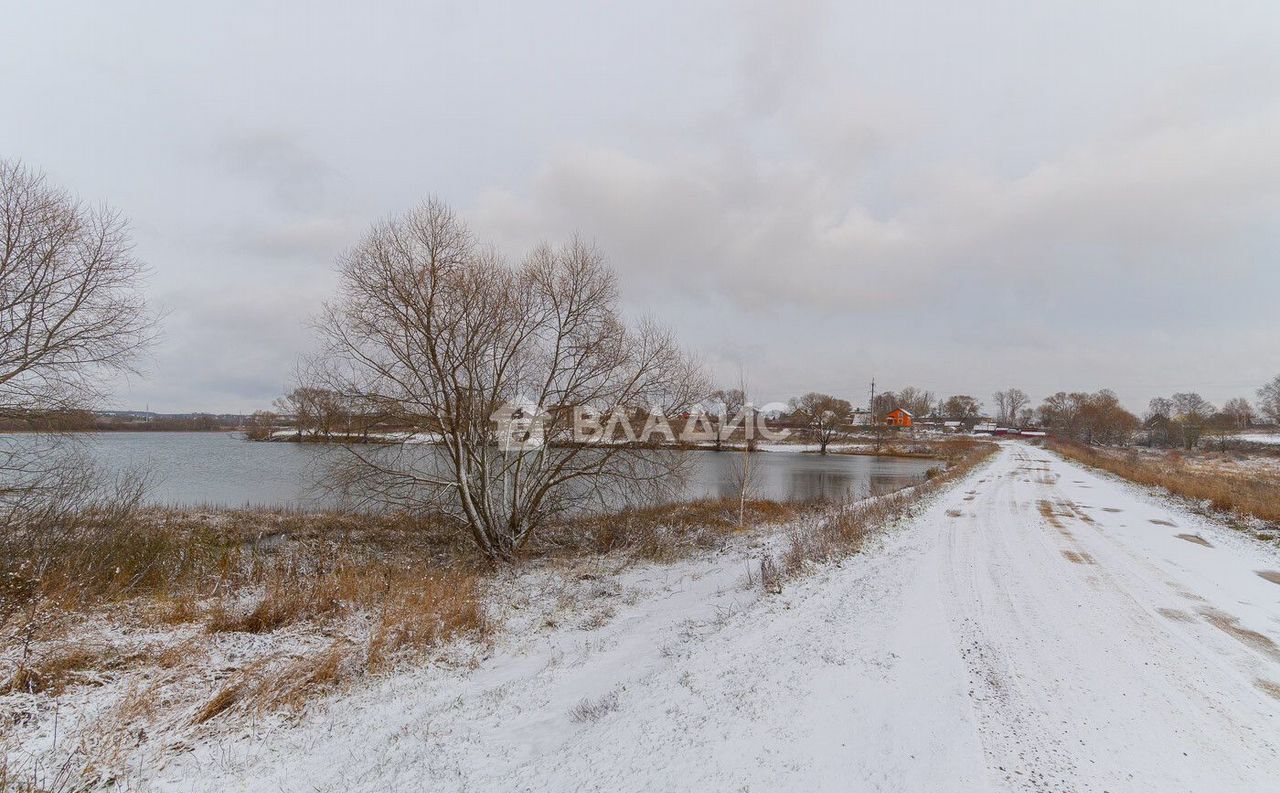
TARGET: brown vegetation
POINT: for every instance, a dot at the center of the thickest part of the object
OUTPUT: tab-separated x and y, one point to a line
661	533
1087	418
388	585
1240	494
386	588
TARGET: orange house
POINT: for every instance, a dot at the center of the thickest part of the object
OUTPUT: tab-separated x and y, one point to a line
898	418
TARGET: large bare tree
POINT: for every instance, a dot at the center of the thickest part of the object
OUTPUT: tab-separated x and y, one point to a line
433	331
70	309
71	315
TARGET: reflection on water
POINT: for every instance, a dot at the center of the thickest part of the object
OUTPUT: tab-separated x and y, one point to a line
785	476
216	469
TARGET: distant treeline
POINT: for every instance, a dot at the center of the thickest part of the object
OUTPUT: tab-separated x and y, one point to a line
88	421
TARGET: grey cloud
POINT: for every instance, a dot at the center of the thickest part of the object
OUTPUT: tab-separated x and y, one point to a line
778	50
1131	211
295	177
316	238
961	197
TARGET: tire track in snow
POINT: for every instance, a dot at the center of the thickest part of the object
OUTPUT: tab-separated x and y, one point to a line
1058	659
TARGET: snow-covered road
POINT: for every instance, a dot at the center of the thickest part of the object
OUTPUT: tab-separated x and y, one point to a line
1039	627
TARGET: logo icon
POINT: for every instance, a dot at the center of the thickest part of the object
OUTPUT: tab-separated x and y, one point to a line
521	426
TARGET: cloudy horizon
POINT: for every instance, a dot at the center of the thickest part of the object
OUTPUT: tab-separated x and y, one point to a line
1051	198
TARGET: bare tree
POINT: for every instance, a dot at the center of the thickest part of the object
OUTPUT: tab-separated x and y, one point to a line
435	331
1002	408
1060	413
728	402
297	406
1239	413
1096	418
916	401
1159	407
1010	405
71	315
962	408
317	412
1269	400
1106	421
261	425
1158	422
745	475
885	402
823	415
70	309
1192	413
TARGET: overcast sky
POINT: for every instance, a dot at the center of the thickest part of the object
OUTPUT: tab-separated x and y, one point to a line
961	197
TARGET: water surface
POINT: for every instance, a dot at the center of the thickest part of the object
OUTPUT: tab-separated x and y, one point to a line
222	469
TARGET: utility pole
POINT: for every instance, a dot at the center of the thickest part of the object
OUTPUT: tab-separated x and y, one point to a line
871	414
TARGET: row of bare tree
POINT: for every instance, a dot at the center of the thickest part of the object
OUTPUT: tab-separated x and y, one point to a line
1184	419
923	404
1180	420
313	413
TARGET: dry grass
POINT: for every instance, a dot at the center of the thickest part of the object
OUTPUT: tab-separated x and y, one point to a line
435	610
1238	493
661	533
63	778
589	711
345	596
192	618
171	556
385	589
222	701
1046	509
283	684
60	666
1270	688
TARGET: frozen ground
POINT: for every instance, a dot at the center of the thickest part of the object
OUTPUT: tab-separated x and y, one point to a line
1038	627
1233	462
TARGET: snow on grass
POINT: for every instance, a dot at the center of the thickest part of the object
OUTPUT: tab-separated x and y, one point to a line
552	672
1039	625
963	650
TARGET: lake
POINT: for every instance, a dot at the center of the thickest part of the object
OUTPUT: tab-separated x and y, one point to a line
221	469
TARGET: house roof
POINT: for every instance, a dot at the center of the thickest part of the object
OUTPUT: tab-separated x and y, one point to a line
903	410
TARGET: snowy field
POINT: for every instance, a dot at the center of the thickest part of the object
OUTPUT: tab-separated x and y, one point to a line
1268	438
1233	462
1037	627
